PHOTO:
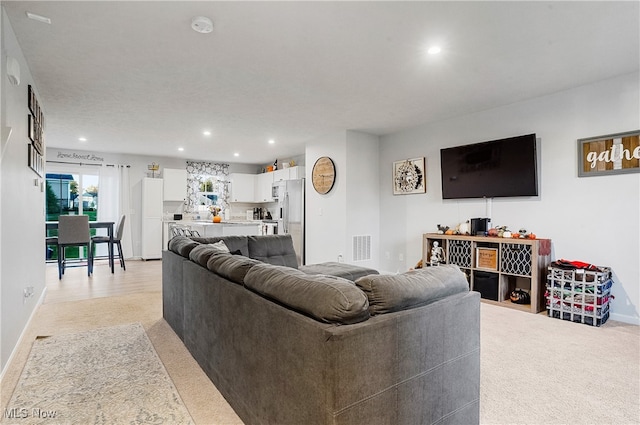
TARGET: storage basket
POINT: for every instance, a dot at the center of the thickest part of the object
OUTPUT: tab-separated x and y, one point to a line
579	295
516	259
460	253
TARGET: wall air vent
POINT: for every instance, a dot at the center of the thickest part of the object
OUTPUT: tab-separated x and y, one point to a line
362	248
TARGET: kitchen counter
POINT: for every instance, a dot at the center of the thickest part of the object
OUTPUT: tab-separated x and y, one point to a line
227	222
207	222
207	228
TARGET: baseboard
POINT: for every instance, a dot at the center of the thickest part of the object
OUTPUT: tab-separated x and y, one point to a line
625	319
22	334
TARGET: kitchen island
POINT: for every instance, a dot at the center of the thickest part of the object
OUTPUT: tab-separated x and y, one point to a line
226	228
206	228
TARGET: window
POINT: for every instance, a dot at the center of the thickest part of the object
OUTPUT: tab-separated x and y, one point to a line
70	190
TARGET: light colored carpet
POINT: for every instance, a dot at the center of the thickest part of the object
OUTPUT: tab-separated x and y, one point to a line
540	370
534	369
108	375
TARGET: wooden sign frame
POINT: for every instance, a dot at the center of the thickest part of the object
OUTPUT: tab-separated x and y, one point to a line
610	154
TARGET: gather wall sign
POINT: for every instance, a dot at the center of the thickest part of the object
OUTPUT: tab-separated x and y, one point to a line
610	154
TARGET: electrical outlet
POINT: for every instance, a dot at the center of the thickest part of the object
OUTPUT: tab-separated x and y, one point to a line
27	292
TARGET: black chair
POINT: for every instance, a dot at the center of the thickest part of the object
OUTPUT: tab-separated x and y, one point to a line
117	241
73	230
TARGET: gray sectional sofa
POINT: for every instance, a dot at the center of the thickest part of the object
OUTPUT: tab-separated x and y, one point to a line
288	345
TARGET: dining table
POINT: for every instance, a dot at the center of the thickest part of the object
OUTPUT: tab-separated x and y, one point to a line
109	225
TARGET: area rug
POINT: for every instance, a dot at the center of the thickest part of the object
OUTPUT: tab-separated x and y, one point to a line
104	376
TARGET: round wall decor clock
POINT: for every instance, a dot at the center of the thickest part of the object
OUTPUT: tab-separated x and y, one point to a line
323	175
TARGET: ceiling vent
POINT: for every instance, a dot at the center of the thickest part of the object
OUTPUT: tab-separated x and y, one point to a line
202	24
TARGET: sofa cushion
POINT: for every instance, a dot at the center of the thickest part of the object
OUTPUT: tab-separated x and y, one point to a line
325	298
201	253
344	270
273	249
231	266
388	293
234	243
182	245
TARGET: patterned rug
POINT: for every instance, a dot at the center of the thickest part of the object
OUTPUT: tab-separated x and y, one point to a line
105	376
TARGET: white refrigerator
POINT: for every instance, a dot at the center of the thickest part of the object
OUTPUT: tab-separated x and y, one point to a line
151	219
290	213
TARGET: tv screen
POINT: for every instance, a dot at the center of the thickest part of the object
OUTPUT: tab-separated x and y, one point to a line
498	168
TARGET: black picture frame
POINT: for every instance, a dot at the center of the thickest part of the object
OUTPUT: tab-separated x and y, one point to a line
35	160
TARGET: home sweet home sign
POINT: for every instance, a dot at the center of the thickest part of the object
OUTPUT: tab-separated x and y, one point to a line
611	154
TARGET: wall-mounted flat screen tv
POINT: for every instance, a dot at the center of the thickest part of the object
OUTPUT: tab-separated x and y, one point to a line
497	168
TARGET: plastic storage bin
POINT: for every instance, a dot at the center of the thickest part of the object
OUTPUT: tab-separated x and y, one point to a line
579	295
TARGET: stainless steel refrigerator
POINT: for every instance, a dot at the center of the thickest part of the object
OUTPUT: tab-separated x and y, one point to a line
289	194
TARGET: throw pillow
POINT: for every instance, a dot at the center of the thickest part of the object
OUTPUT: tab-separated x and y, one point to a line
219	246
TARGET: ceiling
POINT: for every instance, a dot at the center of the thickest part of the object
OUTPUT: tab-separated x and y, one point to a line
133	77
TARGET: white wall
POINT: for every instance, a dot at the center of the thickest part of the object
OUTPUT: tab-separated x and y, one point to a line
592	219
351	207
363	194
22	206
325	215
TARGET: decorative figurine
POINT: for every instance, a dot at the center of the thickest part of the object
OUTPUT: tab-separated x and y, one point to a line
442	229
464	228
437	254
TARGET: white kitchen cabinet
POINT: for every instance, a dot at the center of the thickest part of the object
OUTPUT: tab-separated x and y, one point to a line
175	184
213	230
264	182
241	229
151	247
296	173
282	174
206	230
242	187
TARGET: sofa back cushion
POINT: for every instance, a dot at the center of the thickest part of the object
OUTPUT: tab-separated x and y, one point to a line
388	293
273	249
201	253
231	267
234	243
328	299
182	245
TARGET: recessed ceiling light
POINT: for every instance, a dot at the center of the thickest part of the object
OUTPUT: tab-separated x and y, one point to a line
82	139
271	141
236	154
38	18
434	50
180	149
206	133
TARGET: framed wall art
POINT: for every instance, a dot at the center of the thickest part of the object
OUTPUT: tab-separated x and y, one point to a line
409	176
611	154
36	161
35	124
